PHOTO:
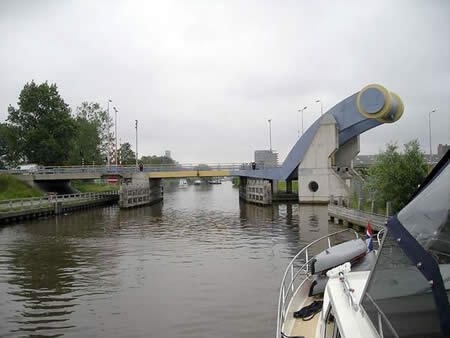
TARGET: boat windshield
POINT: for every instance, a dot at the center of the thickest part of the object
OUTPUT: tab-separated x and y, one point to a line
407	294
426	217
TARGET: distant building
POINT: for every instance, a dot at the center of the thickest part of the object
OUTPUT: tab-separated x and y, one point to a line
442	149
266	158
168	154
435	158
365	161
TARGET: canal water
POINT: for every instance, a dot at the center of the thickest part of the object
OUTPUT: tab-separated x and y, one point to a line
200	264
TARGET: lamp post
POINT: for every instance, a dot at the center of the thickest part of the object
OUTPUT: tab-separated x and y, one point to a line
109	137
120	152
270	133
429	129
115	123
137	145
301	111
321	106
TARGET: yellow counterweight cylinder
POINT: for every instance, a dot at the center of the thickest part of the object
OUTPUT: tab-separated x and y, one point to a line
375	102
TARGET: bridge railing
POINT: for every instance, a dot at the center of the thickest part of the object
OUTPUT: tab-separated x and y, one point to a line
112	169
17	204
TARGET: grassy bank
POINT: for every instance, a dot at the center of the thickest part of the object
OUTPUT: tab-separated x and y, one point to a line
11	187
93	187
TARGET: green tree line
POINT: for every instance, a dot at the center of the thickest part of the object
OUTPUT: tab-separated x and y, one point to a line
396	175
42	129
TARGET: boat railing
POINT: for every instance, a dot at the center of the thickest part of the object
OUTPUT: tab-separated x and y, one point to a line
380	236
297	272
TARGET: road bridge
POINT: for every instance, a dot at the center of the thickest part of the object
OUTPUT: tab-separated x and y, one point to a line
97	172
57	179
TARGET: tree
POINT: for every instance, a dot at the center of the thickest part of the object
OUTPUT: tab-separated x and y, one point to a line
4	149
86	147
127	154
202	166
10	149
395	176
157	160
94	113
43	125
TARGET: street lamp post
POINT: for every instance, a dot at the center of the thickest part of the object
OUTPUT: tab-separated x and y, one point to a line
429	129
120	152
321	106
270	133
301	111
109	137
115	123
137	145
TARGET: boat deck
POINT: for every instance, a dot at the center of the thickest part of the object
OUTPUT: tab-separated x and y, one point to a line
306	328
300	327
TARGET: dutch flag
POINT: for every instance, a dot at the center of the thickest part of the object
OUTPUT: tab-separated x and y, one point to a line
369	240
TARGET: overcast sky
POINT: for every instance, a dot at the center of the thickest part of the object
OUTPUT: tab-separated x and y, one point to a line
203	77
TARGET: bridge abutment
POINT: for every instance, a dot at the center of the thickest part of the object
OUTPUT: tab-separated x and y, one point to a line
58	186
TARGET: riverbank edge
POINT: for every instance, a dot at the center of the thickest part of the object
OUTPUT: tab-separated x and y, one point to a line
56	209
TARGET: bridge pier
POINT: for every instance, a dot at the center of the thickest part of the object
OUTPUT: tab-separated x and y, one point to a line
255	190
140	191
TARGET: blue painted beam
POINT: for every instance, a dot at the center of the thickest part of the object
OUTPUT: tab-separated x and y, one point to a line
364	110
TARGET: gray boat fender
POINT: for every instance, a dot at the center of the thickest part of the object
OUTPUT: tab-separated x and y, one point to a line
320	281
349	251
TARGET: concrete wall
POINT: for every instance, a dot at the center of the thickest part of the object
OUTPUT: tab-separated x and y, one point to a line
347	152
315	167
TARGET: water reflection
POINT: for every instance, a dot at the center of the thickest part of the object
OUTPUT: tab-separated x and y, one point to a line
256	213
42	278
313	222
200	264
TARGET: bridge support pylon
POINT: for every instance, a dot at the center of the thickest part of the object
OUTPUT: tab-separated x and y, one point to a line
318	174
322	157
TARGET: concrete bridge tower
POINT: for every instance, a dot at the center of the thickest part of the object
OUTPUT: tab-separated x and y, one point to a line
321	160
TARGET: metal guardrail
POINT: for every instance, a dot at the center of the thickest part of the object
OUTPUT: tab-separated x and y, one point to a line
298	275
356	216
19	204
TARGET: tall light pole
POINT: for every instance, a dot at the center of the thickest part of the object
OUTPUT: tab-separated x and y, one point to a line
120	152
270	133
109	137
429	129
301	111
115	123
321	106
137	145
